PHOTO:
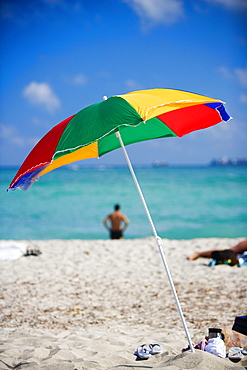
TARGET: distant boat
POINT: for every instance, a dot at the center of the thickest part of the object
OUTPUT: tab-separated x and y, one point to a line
159	164
228	162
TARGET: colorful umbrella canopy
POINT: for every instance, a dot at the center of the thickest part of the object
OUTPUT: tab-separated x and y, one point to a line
138	116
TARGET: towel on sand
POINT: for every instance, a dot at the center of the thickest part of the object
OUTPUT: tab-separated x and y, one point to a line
11	250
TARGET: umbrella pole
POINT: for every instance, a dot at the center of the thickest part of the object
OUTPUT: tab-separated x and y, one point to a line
158	241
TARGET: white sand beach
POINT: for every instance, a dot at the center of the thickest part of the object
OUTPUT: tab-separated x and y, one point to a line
88	305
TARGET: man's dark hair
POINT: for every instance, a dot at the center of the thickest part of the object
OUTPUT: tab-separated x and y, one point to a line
117	207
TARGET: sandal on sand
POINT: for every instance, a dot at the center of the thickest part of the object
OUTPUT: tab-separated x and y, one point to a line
235	354
154	349
32	251
142	352
244	351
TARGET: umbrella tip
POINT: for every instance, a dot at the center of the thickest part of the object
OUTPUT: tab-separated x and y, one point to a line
104	97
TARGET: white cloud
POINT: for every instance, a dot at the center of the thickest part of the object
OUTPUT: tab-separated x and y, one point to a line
237	74
11	135
243	98
225	73
41	94
79	79
241	75
6	131
152	12
105	75
40	123
132	84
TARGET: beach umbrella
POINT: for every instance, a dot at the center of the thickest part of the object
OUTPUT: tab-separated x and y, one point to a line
116	122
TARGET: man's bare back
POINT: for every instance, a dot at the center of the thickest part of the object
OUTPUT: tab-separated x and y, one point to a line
116	223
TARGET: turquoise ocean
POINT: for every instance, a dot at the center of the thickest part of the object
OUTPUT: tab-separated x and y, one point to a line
71	202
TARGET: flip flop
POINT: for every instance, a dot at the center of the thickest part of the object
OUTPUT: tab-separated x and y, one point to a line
244	351
142	352
235	354
154	349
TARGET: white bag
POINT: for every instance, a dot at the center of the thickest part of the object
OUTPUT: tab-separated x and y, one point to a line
217	347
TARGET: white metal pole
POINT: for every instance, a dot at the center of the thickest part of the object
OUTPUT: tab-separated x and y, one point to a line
158	241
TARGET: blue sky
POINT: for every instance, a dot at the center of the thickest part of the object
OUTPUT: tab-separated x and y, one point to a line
58	56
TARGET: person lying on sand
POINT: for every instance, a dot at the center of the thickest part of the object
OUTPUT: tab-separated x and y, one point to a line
233	252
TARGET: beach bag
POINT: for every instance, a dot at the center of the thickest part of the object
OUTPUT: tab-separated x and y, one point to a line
216	347
226	257
240	324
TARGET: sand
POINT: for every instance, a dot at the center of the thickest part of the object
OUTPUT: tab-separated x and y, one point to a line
89	304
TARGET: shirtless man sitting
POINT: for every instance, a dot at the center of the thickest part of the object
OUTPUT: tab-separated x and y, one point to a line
116	223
